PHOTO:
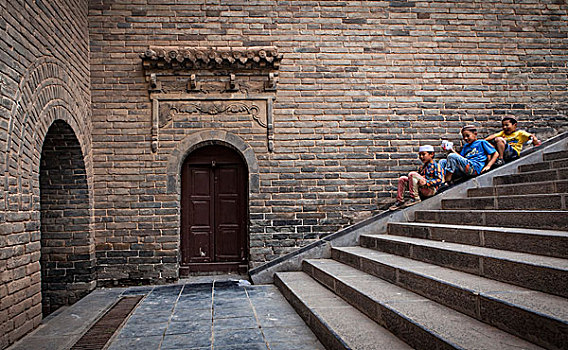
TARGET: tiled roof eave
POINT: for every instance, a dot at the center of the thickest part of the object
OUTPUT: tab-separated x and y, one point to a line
219	57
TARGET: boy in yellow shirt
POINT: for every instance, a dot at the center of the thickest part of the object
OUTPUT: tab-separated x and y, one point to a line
509	142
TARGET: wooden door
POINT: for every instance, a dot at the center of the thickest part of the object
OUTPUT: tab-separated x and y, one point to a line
213	212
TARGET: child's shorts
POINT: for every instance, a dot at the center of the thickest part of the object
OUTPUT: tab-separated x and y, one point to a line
510	153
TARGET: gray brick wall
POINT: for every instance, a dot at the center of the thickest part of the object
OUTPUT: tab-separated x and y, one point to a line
44	76
361	86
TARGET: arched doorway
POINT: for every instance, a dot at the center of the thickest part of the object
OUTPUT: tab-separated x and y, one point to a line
67	249
214	211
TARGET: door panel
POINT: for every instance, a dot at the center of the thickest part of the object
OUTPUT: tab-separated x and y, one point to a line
228	216
198	230
213	211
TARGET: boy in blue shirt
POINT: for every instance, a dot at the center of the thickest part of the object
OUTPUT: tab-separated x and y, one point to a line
476	156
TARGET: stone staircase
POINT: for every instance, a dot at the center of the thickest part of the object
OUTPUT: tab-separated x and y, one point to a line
489	271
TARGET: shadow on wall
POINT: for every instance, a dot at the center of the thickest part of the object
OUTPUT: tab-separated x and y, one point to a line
67	246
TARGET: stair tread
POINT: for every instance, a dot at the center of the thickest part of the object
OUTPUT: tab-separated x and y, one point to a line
535	172
521	184
534	301
454	327
504	211
539	195
523	258
526	188
512	230
351	325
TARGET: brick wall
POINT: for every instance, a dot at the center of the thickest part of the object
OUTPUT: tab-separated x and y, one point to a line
44	76
361	86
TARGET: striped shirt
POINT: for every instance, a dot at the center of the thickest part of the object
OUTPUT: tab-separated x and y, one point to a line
433	173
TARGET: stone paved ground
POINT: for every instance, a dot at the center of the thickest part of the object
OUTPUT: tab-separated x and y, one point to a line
204	315
218	315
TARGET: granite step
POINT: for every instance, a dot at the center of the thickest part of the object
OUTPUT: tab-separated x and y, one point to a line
337	324
532	241
553	164
558	186
419	321
550	201
535	316
540	219
555	155
537	272
532	176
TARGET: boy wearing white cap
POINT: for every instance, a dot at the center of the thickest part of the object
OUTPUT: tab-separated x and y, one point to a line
425	182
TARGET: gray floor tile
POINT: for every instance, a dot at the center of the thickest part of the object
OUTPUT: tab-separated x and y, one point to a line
186	341
234	323
256	346
193	304
240	311
191	315
190	326
238	337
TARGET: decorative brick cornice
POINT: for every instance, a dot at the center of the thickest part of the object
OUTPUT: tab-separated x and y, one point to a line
220	57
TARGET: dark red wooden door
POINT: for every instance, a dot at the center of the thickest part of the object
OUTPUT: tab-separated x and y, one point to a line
213	217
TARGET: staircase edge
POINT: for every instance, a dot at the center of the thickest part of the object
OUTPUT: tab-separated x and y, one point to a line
349	236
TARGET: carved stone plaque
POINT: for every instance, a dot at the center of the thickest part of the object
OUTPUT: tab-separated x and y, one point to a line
224	110
170	108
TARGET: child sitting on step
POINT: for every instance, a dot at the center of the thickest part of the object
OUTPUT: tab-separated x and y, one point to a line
509	142
476	156
425	182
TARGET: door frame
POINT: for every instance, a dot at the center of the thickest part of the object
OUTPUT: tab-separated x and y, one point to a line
200	156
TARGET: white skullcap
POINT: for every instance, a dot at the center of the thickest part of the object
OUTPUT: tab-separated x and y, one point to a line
426	148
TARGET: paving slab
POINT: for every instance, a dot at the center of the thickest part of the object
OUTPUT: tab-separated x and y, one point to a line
202	313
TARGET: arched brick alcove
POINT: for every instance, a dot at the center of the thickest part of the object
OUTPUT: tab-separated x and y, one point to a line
67	249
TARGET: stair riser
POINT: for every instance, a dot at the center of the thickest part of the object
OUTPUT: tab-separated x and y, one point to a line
403	328
547	175
325	335
539	220
555	155
543	331
528	325
518	242
529	276
549	202
556	164
521	189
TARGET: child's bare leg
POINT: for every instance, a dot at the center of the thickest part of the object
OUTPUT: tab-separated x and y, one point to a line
500	145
